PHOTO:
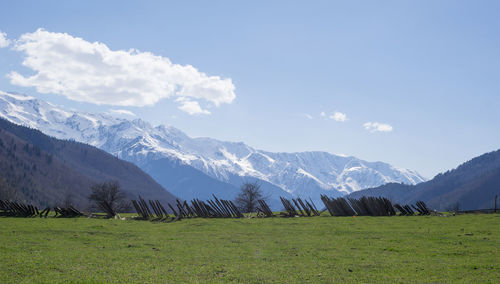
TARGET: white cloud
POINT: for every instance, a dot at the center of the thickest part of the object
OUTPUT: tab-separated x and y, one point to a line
191	107
323	114
308	116
377	127
91	72
122	111
338	116
4	42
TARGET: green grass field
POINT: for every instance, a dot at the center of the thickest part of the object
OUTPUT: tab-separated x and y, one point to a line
434	249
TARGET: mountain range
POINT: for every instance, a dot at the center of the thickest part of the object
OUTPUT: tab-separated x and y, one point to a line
197	167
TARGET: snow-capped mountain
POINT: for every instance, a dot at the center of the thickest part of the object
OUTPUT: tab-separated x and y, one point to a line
298	174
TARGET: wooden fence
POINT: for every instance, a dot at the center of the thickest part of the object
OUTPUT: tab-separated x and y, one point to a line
371	206
18	209
213	208
298	207
220	208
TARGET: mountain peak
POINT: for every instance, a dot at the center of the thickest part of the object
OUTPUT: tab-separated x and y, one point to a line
300	173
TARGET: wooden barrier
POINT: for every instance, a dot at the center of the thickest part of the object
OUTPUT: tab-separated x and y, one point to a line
371	206
18	209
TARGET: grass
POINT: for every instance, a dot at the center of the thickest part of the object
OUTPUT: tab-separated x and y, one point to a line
463	248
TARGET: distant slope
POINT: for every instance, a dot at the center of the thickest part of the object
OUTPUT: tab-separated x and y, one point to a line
473	185
187	182
45	171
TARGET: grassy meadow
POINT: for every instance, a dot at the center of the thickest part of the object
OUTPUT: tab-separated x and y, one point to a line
453	249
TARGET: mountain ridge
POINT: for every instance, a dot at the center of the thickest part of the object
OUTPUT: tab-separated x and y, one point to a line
300	173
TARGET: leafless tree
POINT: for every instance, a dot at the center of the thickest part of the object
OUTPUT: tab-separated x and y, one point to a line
247	199
111	193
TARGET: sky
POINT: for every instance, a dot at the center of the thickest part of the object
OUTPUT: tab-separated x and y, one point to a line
412	83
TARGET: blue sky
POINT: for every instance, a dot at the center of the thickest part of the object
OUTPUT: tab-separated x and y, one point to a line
426	74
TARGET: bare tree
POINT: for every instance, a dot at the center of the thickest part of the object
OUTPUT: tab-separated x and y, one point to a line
111	193
247	199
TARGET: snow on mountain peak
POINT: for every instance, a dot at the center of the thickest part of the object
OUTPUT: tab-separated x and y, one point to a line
303	173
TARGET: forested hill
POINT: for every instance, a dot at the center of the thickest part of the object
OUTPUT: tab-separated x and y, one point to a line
472	185
39	169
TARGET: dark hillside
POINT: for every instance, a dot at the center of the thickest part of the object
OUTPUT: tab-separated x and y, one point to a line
473	185
43	170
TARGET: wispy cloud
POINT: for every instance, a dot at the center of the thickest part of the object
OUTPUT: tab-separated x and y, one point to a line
4	42
338	116
308	116
122	112
377	127
91	72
